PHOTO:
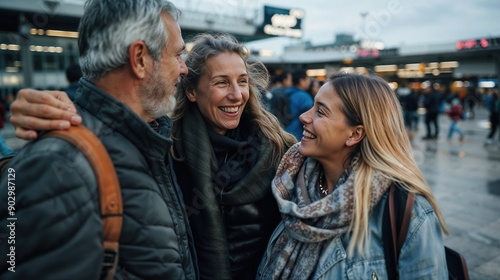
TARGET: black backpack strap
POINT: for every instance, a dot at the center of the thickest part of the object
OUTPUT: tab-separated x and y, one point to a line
395	223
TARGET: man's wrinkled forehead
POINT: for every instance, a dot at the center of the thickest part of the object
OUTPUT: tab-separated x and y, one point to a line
174	33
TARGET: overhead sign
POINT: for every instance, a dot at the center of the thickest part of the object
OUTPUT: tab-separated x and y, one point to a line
482	43
368	53
282	22
487	83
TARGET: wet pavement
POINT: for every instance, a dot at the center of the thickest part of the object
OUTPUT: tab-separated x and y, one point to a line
465	178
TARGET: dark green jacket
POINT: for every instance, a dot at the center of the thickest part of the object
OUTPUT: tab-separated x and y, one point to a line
58	231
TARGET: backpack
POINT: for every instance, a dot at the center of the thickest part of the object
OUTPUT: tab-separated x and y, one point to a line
456	112
281	106
395	224
110	199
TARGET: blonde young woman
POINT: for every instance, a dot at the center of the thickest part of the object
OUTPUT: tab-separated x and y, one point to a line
331	189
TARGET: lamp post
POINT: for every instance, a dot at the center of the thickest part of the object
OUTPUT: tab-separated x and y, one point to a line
363	23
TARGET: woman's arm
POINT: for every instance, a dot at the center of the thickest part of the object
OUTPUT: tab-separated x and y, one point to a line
42	110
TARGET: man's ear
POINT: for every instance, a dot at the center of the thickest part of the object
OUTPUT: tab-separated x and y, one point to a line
139	59
358	133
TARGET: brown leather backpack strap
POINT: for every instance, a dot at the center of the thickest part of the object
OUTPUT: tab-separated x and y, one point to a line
406	221
397	238
111	206
392	219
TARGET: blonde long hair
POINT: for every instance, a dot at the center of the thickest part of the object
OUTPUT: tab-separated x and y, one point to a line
369	101
208	45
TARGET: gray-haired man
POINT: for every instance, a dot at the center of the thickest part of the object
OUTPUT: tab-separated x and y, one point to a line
130	55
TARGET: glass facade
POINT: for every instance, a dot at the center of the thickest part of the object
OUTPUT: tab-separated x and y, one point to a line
49	56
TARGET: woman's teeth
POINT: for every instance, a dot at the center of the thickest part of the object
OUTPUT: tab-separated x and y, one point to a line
229	109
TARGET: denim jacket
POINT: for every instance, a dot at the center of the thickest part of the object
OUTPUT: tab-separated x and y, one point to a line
422	255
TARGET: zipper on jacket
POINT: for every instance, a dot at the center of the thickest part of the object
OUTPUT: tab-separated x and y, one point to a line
222	210
221	205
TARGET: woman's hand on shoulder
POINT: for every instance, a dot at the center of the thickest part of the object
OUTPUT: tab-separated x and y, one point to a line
42	110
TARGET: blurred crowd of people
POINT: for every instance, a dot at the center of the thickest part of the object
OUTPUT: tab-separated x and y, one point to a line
440	101
431	101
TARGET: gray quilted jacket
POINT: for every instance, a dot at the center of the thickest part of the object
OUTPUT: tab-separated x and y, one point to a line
58	231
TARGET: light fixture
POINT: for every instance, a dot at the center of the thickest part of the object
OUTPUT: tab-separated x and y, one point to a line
386	68
316	72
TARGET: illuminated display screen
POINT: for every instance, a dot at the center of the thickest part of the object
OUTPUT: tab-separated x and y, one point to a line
282	22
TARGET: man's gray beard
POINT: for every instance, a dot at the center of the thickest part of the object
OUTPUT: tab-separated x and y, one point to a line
157	109
168	107
154	104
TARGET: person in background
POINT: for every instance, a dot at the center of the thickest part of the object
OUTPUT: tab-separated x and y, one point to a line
332	188
487	98
314	87
494	116
300	101
226	149
455	113
469	103
258	67
73	75
279	106
409	103
130	53
282	81
432	104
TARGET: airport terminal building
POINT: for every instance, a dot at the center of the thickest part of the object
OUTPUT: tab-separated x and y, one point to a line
38	40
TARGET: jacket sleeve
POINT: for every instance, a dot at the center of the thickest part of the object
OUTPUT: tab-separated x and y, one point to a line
423	255
53	230
305	102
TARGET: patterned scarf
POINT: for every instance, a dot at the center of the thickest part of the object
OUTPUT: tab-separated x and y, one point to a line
309	219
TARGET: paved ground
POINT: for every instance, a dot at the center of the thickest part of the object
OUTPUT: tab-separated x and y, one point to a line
465	177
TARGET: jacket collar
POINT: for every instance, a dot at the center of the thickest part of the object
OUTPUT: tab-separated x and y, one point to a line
117	116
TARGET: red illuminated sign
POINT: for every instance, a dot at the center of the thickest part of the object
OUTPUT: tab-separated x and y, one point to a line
472	44
484	43
368	53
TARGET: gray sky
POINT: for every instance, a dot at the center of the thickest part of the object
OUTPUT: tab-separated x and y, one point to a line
395	22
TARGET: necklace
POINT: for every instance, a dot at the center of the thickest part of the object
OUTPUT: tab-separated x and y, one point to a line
323	190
